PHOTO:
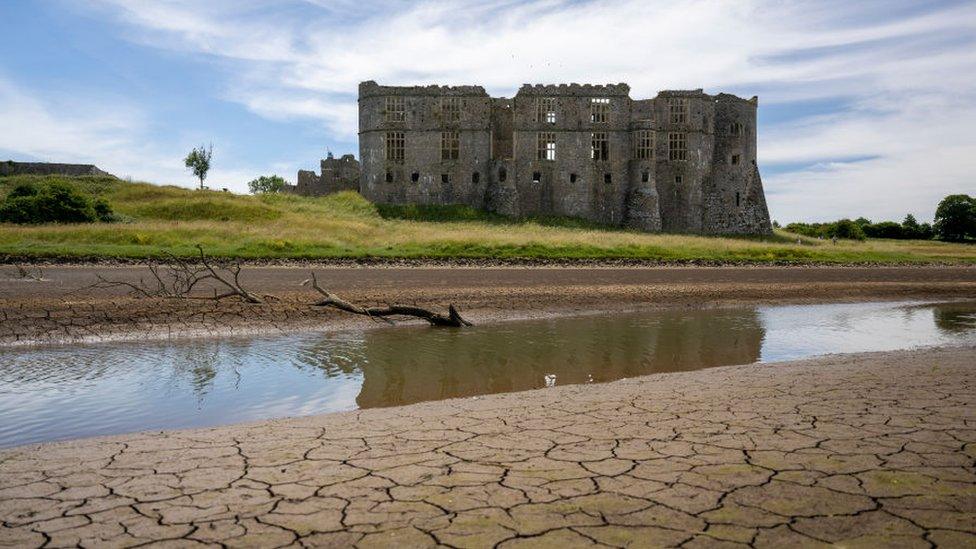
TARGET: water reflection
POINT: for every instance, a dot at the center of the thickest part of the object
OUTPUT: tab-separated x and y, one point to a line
82	390
401	367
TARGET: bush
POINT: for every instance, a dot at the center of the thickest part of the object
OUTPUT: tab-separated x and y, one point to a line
845	228
267	184
885	229
52	202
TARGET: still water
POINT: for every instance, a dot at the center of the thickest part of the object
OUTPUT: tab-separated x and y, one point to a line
60	392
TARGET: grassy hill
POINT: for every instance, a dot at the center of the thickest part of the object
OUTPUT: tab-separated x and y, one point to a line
160	219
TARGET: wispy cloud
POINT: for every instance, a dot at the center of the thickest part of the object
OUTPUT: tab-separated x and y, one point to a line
900	72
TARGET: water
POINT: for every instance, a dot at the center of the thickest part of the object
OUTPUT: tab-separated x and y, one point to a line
60	392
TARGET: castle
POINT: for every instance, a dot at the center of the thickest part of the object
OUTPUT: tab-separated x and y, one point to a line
682	162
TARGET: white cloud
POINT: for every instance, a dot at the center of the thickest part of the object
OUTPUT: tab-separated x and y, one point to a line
105	132
904	71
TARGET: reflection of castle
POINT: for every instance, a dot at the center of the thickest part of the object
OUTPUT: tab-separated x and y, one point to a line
402	368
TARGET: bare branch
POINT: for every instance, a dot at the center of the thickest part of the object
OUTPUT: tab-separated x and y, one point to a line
177	279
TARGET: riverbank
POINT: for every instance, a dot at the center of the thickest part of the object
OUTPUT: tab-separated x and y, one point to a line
868	449
57	304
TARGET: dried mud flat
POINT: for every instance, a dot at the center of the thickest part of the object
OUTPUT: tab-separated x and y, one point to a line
856	450
58	308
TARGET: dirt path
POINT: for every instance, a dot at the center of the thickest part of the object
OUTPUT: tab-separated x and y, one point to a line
63	279
859	450
53	310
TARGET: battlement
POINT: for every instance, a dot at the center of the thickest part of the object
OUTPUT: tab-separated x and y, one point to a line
371	89
584	90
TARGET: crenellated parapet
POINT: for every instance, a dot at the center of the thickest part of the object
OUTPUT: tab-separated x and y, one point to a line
372	89
580	90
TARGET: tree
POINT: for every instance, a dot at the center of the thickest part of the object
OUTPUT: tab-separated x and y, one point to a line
845	228
267	184
955	218
199	161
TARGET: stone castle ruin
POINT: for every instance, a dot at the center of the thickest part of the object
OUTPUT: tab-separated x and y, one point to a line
682	162
338	174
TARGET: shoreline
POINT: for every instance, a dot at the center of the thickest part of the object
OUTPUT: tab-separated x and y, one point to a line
828	450
53	311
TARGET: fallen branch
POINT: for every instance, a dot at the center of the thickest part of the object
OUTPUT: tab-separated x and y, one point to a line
452	319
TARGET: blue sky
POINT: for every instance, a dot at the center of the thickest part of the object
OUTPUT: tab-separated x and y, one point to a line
866	108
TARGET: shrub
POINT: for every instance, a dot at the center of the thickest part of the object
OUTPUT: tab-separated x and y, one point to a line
53	202
266	184
884	229
845	228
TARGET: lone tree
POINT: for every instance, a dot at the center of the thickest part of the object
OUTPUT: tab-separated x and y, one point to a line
266	184
955	218
199	161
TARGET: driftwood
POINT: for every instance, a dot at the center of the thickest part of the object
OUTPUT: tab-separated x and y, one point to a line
452	319
177	278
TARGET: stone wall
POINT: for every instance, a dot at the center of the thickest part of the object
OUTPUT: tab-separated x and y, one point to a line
505	162
9	167
338	174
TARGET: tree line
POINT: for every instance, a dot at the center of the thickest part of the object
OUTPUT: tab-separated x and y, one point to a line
955	220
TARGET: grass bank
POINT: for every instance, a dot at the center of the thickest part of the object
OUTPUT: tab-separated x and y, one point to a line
159	219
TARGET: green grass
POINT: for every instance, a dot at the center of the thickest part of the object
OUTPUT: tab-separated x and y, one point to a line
173	219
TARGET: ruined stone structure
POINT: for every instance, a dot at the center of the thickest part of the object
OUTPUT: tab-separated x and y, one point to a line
9	167
684	161
338	174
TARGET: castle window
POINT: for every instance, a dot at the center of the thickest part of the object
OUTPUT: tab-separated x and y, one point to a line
678	109
445	178
546	110
735	128
735	159
645	176
644	145
394	146
451	109
737	199
475	177
395	111
677	180
600	146
677	146
572	178
415	177
450	145
502	175
546	148
607	178
536	177
599	109
389	177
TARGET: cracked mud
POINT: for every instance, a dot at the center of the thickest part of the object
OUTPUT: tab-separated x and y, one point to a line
867	450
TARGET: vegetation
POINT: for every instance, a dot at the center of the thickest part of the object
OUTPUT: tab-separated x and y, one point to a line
955	218
199	162
266	184
862	228
54	201
162	219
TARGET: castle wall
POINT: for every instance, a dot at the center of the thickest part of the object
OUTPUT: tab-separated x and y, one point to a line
712	187
9	167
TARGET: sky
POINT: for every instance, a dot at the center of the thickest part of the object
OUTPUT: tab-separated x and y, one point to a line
866	108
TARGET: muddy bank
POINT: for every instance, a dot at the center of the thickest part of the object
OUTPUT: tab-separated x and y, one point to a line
59	308
872	449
